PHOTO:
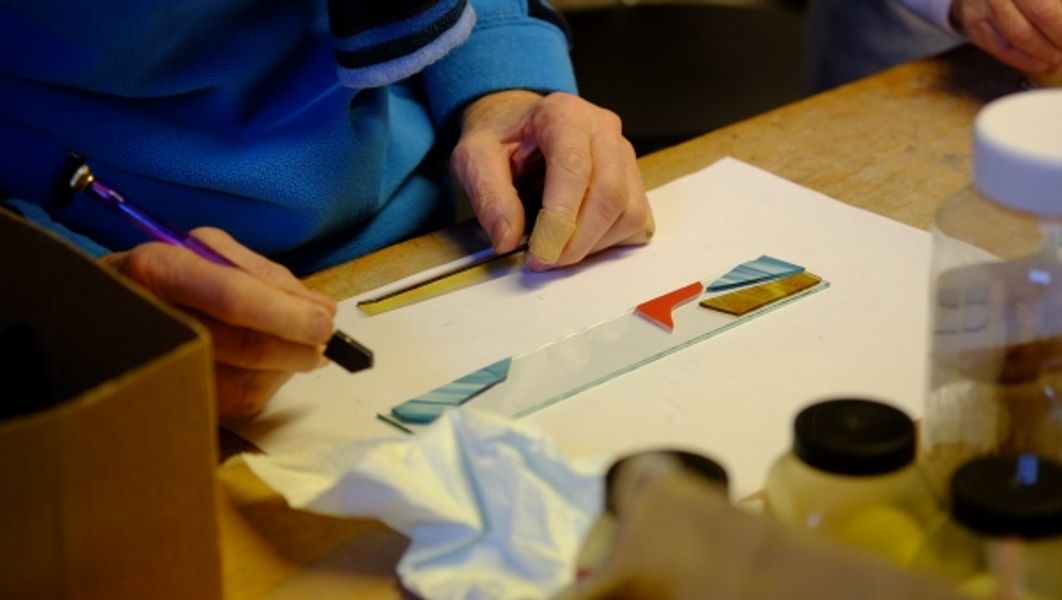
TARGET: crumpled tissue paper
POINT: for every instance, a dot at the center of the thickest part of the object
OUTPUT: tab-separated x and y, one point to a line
492	509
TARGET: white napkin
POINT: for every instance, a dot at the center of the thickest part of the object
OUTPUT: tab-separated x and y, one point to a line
491	508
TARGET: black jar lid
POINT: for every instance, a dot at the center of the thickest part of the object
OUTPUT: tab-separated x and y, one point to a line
1009	495
850	436
698	464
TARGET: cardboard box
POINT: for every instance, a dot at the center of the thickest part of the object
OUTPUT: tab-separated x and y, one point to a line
108	439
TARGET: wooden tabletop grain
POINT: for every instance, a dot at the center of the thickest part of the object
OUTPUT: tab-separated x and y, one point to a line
897	144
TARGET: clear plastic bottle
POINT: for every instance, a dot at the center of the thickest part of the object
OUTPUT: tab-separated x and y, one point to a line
995	372
1004	537
851	475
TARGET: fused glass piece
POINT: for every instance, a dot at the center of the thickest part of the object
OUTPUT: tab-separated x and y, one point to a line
551	373
658	310
747	300
427	407
764	268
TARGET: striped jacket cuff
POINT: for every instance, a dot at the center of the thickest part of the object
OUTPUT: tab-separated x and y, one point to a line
379	43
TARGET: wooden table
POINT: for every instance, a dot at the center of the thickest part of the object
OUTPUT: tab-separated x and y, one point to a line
896	144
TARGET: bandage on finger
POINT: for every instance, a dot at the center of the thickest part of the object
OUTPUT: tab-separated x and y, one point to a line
550	235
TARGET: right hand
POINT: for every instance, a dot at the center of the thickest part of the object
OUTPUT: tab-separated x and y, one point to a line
265	325
1026	34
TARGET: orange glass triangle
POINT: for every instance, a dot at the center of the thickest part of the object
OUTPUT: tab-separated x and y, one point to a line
658	310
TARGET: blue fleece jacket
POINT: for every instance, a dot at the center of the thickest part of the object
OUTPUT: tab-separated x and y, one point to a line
231	113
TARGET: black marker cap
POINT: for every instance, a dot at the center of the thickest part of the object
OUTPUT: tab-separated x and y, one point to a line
854	437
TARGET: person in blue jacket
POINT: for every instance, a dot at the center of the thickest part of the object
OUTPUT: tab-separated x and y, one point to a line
228	116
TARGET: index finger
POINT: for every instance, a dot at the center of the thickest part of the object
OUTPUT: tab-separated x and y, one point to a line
985	35
564	141
260	266
1020	33
1046	16
229	295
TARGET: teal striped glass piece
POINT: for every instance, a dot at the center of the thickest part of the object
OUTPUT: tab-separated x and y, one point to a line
427	407
764	268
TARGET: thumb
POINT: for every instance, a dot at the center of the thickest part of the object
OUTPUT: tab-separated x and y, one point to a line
482	166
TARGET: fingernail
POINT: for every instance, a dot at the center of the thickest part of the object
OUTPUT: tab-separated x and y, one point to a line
323	361
328	304
535	263
322	325
500	231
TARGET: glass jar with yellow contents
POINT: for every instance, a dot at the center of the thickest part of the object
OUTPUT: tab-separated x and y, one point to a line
851	475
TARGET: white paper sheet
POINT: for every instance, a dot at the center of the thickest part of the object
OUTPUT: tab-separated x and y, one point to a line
733	396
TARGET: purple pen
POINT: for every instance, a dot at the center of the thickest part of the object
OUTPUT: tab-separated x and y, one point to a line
341	348
84	180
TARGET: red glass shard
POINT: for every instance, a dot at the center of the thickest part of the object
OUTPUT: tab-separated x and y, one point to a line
658	310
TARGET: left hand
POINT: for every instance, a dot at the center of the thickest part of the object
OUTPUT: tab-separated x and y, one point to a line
591	178
1026	34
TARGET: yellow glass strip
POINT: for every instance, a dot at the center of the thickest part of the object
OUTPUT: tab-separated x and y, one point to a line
463	278
749	299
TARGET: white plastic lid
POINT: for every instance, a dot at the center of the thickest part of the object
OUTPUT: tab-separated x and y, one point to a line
1018	151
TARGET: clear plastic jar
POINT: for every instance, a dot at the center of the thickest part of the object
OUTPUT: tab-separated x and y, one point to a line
623	480
851	475
1004	537
995	372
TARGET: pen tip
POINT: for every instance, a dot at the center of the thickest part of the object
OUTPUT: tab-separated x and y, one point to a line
346	352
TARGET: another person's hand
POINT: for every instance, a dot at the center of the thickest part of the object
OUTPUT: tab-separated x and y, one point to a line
264	323
1026	34
591	177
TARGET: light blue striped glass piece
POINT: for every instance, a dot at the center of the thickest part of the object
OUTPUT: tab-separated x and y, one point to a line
764	268
427	407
